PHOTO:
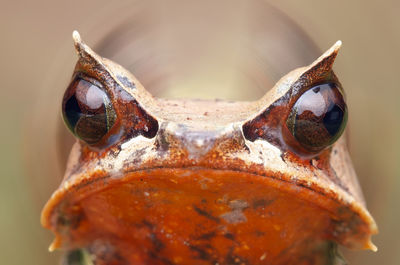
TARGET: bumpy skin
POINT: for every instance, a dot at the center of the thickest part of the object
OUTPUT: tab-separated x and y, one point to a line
206	182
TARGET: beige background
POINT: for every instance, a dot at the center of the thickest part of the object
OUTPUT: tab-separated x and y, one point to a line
37	58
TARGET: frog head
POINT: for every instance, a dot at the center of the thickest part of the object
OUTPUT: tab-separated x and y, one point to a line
157	181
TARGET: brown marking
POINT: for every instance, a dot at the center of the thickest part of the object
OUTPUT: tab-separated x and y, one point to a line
206	214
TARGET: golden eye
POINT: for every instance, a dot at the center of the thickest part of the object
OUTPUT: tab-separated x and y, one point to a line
88	111
318	117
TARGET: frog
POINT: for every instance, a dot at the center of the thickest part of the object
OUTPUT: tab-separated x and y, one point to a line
191	181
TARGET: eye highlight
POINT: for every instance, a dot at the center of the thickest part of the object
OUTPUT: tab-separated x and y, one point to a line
318	117
88	111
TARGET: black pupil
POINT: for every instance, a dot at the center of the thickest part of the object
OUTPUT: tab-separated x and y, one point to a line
333	119
318	117
88	111
72	111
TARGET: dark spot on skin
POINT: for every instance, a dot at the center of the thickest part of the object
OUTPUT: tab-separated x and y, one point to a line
156	256
140	152
162	144
136	158
270	213
115	151
207	236
201	251
229	236
147	223
70	220
283	155
206	214
262	203
203	201
126	82
246	148
157	243
259	233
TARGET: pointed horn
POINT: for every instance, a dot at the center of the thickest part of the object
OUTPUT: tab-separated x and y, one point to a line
84	51
77	38
325	62
90	62
78	43
319	70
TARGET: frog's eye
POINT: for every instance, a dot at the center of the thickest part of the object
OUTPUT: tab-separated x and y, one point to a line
318	117
88	111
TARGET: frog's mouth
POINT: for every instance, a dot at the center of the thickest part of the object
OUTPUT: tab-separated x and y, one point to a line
203	214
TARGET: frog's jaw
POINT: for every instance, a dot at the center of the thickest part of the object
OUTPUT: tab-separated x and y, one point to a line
198	216
251	167
197	194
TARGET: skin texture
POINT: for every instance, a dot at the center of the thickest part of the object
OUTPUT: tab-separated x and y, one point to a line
206	182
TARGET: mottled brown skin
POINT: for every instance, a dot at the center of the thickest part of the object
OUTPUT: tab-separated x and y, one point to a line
206	182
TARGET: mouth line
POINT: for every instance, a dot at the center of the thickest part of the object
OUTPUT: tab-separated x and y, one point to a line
288	180
285	182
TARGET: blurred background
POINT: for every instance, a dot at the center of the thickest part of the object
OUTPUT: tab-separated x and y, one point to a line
233	49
